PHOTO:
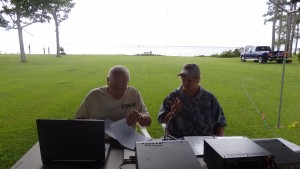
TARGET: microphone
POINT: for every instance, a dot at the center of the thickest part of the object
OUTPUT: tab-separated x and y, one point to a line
167	136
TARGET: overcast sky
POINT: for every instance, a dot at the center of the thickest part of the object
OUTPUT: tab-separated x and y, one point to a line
231	23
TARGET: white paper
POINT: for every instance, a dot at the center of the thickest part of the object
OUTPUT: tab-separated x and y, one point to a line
108	129
125	134
128	154
197	143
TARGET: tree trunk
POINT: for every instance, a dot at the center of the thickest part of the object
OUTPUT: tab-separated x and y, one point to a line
293	26
274	25
57	33
279	31
297	38
288	31
21	43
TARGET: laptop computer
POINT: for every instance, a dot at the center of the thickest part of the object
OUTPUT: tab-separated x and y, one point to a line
72	141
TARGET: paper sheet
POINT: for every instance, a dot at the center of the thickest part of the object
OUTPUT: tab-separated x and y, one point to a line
108	129
125	134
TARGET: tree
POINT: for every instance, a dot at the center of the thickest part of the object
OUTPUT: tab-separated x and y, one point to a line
62	51
59	9
274	26
17	14
280	10
2	20
293	27
274	14
279	39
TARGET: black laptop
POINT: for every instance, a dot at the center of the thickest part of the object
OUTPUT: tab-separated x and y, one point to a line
72	141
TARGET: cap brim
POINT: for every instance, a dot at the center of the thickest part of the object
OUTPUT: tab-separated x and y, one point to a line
185	73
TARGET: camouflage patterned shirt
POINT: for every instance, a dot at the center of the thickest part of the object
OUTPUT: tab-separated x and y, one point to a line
200	115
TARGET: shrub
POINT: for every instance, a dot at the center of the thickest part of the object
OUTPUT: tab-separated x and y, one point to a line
62	51
228	54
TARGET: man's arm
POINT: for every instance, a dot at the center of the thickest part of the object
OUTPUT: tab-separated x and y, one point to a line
219	131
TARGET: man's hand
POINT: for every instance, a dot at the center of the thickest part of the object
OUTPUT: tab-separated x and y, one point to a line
175	106
133	117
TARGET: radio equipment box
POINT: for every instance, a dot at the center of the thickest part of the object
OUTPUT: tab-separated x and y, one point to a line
235	153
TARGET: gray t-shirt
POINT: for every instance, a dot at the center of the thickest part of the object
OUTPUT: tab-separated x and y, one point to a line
98	104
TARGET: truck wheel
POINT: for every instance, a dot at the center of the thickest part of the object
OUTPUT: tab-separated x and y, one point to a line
260	59
243	59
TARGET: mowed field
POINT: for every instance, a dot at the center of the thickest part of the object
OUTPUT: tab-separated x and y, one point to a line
51	87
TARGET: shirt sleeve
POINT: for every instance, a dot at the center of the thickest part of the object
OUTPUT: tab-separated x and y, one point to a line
142	107
83	112
221	120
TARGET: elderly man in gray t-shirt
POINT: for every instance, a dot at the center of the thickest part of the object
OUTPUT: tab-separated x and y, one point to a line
115	101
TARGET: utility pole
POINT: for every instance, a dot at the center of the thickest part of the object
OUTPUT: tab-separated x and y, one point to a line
288	30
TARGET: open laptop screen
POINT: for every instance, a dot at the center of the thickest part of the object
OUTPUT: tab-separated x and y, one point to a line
71	141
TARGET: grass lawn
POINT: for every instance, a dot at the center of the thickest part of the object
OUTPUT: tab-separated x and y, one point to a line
51	87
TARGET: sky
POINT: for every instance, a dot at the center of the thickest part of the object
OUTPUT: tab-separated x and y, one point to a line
95	23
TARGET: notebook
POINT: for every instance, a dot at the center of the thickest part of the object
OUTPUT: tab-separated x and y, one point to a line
72	141
175	154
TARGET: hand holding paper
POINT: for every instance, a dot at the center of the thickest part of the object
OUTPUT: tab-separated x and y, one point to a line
125	134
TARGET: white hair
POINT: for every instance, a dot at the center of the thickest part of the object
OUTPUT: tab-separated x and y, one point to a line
119	69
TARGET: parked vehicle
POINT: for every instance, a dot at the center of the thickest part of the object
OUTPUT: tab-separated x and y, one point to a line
262	54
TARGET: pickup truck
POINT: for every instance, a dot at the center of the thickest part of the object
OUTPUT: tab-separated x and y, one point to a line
262	54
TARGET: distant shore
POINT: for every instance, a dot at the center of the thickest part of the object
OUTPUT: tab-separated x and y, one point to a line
185	51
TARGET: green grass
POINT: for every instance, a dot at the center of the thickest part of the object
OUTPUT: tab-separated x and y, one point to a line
51	87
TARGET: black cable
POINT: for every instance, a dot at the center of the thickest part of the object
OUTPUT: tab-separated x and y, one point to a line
131	160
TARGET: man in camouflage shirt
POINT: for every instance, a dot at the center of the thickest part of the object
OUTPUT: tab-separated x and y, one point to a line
191	110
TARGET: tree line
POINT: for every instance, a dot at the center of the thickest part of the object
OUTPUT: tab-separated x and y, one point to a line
284	16
18	14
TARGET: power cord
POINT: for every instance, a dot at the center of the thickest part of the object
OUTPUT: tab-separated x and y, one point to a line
131	160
